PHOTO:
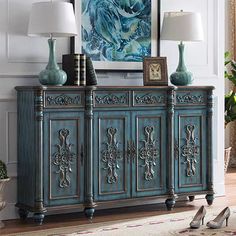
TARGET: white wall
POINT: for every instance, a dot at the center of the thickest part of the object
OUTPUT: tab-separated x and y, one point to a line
21	58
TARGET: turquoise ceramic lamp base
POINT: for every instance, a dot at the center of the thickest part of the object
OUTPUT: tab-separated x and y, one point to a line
181	77
52	75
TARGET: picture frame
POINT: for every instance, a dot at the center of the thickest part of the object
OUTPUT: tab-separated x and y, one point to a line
155	71
128	49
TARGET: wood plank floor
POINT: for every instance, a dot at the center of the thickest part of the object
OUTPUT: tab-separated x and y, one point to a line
56	221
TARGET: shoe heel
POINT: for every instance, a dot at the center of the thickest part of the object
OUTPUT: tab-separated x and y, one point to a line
198	218
219	220
227	221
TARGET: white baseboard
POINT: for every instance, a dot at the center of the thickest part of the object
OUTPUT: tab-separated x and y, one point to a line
9	212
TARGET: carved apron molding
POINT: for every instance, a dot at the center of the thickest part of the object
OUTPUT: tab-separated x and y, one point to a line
111	99
188	98
149	99
63	100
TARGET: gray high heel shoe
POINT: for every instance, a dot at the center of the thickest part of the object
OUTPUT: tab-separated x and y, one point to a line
198	218
218	221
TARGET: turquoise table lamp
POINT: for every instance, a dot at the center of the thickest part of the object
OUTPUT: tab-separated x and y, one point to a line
52	19
182	26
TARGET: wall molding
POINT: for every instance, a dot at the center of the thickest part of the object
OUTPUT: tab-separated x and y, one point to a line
38	60
8	135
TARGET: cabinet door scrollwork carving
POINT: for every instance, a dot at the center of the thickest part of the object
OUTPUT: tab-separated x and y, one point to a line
149	153
190	150
63	158
110	156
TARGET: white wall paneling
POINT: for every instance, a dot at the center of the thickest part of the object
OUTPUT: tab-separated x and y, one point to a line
21	57
11	142
8	152
198	55
8	129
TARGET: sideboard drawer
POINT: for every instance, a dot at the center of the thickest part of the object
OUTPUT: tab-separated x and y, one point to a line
111	99
149	98
63	99
189	97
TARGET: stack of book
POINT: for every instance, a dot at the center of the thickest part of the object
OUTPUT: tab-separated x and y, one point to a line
79	70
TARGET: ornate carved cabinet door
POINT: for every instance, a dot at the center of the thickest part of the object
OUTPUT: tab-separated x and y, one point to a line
63	163
190	150
111	167
148	153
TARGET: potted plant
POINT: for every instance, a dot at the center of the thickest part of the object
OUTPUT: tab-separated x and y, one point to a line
3	180
230	99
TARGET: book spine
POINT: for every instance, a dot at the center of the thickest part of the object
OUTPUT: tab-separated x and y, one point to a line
77	69
71	65
82	69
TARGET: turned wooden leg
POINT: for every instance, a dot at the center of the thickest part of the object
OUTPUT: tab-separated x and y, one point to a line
38	218
89	212
210	198
170	203
23	214
191	198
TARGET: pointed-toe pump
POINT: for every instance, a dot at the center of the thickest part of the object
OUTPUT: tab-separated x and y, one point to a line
198	218
218	221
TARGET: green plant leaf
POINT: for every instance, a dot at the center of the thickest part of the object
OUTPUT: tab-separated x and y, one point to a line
3	170
230	98
233	64
227	54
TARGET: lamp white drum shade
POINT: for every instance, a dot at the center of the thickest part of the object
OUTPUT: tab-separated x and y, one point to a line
182	26
56	19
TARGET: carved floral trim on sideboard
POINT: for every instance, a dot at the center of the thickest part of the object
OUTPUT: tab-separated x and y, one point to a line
149	99
63	100
111	156
149	153
188	98
111	99
63	158
190	150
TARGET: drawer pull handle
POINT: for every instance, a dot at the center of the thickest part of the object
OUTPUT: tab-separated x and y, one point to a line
131	151
176	150
128	152
82	155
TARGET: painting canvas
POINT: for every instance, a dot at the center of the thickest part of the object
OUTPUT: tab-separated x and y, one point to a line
117	34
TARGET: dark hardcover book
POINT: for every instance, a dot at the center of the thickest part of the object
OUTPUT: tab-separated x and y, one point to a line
91	77
82	69
71	65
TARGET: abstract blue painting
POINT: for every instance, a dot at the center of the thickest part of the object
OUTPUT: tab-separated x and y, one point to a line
116	30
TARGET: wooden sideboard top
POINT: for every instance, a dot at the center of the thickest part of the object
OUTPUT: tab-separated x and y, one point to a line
113	87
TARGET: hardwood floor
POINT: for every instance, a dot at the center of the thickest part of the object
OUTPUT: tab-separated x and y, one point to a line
56	221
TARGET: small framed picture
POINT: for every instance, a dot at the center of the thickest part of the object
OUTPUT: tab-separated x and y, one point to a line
155	71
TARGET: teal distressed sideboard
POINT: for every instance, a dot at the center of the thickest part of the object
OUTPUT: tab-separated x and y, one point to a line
86	147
